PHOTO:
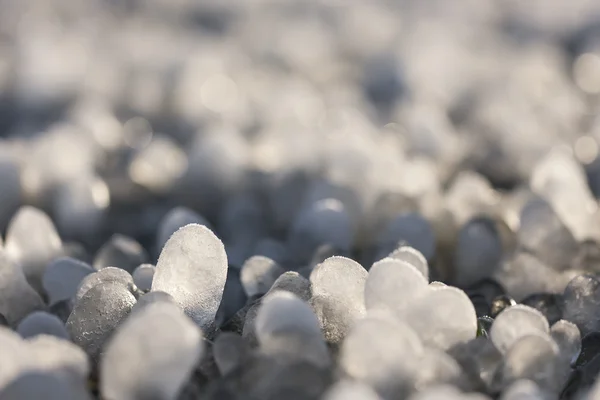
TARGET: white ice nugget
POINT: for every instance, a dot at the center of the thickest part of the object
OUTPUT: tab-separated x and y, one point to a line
14	356
176	218
258	275
97	314
152	354
411	228
143	275
442	317
52	354
17	298
412	256
105	275
393	284
192	268
515	322
382	353
62	278
287	327
39	323
350	390
436	367
568	338
323	222
542	232
338	293
32	242
532	357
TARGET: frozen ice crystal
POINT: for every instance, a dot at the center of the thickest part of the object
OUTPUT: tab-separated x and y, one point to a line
192	268
17	298
516	322
413	257
152	353
32	242
106	275
338	287
97	314
582	303
393	284
442	317
177	218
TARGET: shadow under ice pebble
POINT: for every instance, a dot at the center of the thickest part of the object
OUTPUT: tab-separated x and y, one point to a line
192	268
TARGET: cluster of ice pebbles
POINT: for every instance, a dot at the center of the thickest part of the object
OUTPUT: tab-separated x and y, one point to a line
317	199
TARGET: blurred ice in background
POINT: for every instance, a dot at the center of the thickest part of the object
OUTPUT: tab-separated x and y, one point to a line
249	111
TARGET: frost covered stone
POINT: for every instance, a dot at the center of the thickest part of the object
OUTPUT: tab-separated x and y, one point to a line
97	314
32	242
393	284
442	317
63	277
192	268
338	292
106	275
412	256
152	354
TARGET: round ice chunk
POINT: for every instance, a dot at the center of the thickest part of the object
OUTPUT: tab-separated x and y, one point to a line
412	256
17	298
582	303
32	242
478	251
393	284
143	275
544	234
532	357
152	353
411	228
382	353
105	275
177	218
524	389
338	293
258	274
63	277
192	268
39	323
436	367
442	317
515	322
287	326
567	337
121	252
56	355
323	222
97	314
